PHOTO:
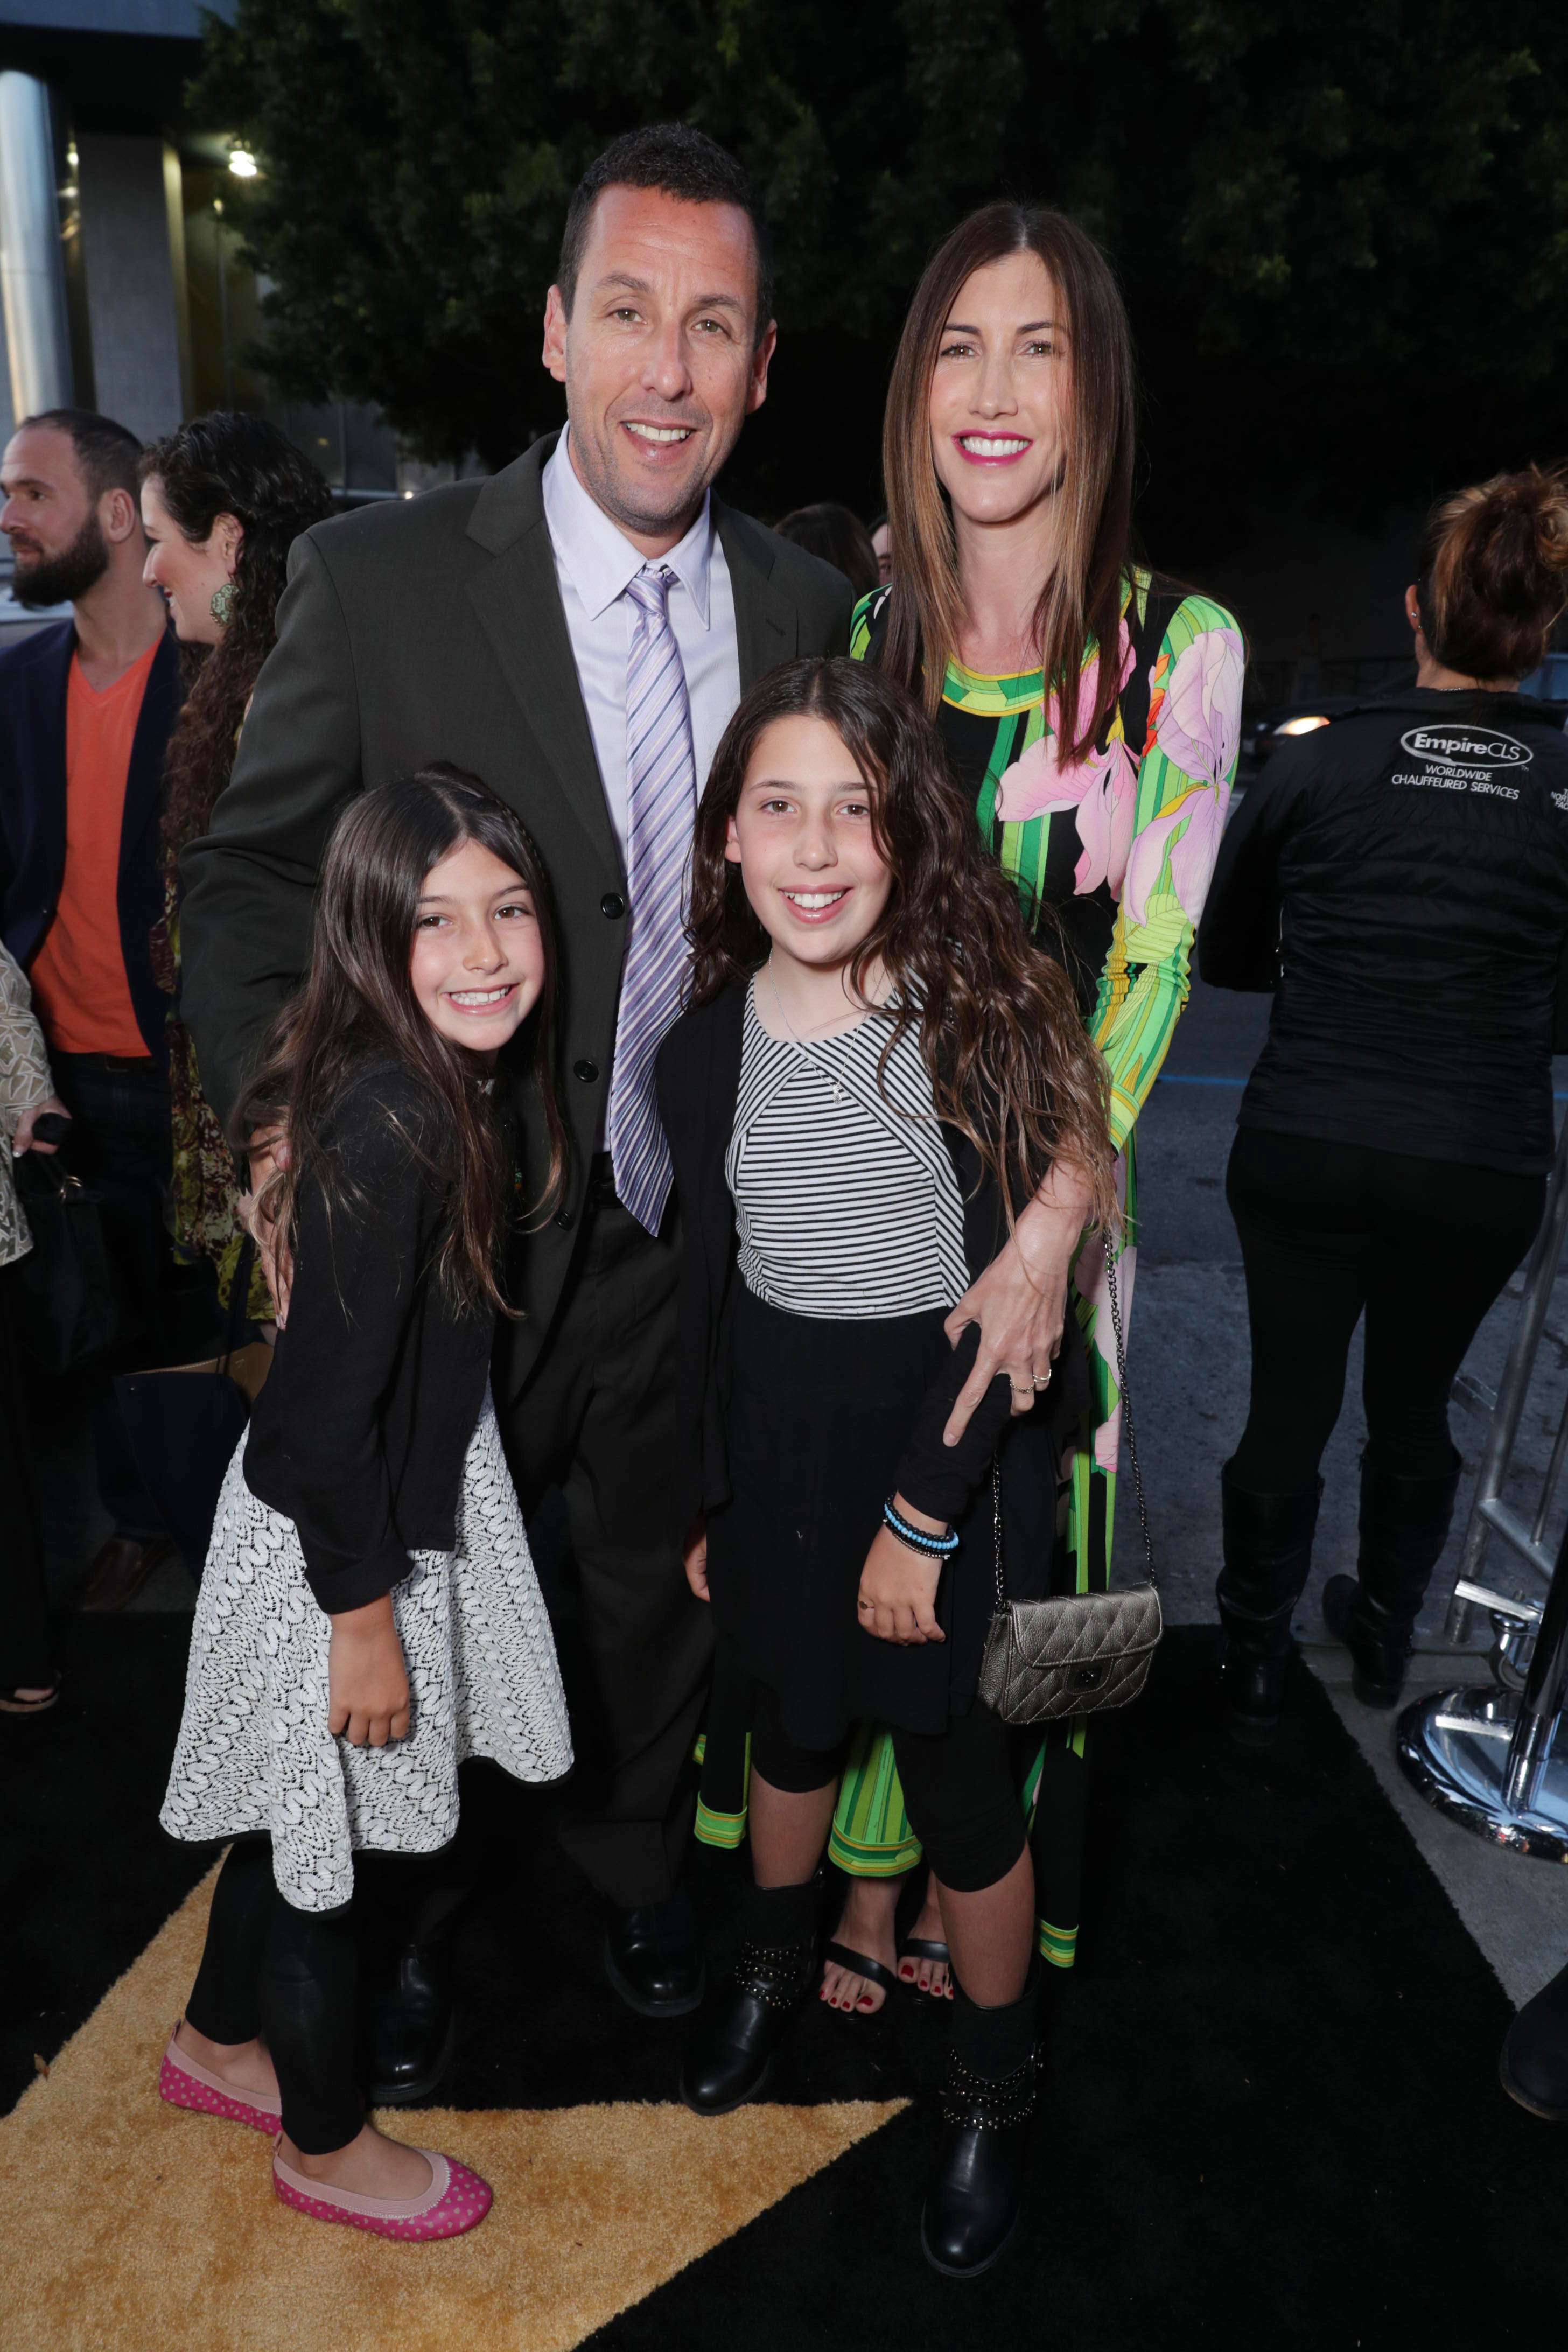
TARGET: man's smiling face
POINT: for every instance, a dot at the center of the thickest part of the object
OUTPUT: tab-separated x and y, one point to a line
660	356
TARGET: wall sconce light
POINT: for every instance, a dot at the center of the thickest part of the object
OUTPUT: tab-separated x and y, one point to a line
242	162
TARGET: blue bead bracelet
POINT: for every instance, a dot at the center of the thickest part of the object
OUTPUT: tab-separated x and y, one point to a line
918	1538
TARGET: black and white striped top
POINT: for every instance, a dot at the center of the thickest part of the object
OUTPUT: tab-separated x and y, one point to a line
846	1200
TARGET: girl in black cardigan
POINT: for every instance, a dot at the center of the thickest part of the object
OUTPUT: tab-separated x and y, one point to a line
369	1614
877	1069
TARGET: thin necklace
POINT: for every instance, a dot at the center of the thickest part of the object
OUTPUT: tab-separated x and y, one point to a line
799	1042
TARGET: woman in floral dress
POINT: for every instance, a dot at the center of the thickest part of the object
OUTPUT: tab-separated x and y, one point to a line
1008	455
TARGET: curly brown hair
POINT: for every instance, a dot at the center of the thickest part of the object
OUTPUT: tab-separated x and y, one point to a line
228	462
999	1032
357	1002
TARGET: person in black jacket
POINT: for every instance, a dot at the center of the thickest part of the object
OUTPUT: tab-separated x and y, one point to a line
370	1614
1400	881
875	1058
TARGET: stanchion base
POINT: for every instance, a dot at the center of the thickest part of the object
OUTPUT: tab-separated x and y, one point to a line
1454	1745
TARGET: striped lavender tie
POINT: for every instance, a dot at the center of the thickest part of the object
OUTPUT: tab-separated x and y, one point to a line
661	798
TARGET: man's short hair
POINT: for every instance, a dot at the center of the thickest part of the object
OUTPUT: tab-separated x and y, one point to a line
107	453
678	160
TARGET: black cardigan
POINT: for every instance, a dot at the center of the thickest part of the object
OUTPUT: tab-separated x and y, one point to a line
698	1081
377	1381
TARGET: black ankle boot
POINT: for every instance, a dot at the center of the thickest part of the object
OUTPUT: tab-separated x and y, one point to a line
987	2105
1404	1524
413	2029
733	2046
1268	1555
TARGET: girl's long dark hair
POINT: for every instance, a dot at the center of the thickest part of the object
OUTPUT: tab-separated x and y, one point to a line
999	1032
357	1001
228	462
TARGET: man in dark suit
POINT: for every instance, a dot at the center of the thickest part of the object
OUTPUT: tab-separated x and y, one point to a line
86	708
574	631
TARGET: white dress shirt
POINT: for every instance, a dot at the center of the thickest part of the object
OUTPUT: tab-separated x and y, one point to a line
594	563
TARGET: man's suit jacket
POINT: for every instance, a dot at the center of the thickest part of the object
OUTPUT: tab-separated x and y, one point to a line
33	681
433	629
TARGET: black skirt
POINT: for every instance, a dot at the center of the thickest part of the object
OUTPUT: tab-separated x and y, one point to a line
818	1416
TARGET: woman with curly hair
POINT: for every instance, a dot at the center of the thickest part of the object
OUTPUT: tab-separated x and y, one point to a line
223	501
877	1072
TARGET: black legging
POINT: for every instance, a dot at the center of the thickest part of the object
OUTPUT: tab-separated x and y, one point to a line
1331	1229
960	1789
289	1976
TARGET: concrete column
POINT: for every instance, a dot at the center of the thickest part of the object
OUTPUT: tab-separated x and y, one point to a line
32	271
132	300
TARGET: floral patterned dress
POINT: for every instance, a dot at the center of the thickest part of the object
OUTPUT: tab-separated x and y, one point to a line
1120	848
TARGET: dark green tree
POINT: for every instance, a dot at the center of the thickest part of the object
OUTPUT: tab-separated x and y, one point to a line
1344	233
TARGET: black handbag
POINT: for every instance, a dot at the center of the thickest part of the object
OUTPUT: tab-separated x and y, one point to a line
66	1305
1077	1652
183	1422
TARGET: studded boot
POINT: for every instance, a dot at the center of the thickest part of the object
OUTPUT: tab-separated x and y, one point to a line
1268	1556
741	2024
989	2096
1404	1524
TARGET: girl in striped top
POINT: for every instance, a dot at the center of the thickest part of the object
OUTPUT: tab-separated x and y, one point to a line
878	1071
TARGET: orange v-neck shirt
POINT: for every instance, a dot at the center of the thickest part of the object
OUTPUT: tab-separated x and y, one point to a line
79	989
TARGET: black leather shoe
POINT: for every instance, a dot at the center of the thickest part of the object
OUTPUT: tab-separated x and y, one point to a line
729	2054
1533	2064
654	1959
120	1568
971	2204
414	2027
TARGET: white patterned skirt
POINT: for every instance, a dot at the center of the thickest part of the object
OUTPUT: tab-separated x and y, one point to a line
254	1751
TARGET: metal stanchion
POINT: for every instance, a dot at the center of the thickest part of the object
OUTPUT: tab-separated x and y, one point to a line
1490	1515
1485	1755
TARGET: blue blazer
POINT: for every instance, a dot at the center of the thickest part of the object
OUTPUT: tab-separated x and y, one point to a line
33	680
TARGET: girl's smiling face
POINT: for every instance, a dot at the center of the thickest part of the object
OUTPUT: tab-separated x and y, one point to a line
478	960
803	838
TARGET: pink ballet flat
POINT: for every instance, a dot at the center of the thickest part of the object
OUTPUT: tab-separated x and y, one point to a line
456	2200
186	2083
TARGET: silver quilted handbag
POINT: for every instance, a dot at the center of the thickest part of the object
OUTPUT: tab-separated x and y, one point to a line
1078	1651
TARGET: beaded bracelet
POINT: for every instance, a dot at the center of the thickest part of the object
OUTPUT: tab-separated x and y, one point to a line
919	1539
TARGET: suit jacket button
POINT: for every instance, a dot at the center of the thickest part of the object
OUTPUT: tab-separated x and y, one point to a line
613	905
586	1070
564	1219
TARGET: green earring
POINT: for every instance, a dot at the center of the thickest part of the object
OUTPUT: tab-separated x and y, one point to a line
223	603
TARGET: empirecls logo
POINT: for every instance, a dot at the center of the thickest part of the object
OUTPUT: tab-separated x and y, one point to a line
1467	747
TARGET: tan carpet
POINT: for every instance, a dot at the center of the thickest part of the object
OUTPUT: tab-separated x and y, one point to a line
129	2226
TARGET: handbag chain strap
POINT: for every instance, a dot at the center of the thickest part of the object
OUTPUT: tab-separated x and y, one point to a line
1131	1441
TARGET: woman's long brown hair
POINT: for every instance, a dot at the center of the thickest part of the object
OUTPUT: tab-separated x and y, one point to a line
1000	1031
228	462
1082	598
358	1002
